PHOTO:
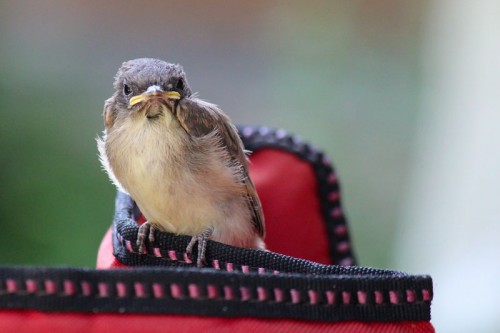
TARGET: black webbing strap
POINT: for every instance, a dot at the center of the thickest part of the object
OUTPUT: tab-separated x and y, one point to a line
184	290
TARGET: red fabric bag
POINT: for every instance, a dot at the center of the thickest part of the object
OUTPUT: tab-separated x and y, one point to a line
307	283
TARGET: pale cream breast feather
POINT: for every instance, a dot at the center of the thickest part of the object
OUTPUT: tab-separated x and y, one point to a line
148	160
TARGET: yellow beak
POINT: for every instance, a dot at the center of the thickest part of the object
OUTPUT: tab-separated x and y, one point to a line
144	97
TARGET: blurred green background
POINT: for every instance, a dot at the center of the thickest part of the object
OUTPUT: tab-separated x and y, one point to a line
342	74
402	95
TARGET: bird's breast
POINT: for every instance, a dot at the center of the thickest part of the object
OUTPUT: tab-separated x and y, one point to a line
182	184
145	150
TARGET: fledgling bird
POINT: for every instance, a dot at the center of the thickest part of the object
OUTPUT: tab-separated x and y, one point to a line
180	158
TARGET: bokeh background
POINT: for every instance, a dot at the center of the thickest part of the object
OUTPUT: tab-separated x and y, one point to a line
402	95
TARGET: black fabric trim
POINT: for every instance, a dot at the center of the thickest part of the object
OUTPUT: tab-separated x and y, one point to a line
192	291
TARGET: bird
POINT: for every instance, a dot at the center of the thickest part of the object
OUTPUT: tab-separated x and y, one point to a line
180	158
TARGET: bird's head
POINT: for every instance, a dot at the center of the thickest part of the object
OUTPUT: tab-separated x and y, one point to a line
149	87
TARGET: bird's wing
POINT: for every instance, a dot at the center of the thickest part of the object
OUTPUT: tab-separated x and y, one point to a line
199	118
109	113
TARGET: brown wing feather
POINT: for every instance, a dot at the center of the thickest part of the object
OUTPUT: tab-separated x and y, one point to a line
200	118
109	113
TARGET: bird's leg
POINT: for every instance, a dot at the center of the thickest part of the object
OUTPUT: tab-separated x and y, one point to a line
146	229
202	240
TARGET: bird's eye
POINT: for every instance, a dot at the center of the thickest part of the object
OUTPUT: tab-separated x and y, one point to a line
126	89
180	84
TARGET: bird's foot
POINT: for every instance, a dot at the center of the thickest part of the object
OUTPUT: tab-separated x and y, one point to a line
202	240
146	229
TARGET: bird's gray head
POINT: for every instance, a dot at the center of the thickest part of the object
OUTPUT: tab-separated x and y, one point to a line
149	84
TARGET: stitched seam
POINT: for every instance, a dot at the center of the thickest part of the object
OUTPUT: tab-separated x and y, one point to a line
172	255
175	255
206	292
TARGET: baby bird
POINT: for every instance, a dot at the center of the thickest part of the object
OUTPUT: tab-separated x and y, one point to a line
180	158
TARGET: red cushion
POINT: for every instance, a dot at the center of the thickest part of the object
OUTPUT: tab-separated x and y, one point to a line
40	322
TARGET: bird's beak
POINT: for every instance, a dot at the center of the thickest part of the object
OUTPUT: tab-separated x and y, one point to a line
154	92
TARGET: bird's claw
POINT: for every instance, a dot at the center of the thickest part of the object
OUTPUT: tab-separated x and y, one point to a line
202	240
146	229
